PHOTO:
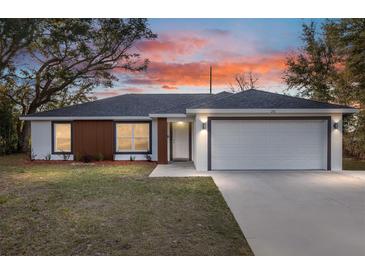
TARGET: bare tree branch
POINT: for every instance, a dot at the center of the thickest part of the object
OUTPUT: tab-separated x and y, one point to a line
244	81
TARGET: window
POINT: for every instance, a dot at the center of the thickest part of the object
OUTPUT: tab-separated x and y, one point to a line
62	138
133	137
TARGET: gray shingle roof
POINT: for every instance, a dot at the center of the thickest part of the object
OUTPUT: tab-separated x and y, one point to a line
145	104
258	99
130	105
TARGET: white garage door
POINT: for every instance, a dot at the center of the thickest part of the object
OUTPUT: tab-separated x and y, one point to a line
268	144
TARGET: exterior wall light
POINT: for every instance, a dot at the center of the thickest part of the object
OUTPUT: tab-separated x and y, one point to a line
335	125
204	125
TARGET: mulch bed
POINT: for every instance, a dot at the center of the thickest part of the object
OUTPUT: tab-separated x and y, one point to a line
96	163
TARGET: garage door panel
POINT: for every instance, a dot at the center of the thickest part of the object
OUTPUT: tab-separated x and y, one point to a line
257	163
268	144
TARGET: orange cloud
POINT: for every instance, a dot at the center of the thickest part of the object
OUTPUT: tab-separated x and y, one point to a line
168	87
169	49
268	67
117	91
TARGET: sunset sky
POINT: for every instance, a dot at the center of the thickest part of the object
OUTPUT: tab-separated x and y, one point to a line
185	48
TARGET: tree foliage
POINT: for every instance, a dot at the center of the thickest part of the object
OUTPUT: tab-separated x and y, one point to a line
8	133
330	68
67	58
15	35
312	69
348	37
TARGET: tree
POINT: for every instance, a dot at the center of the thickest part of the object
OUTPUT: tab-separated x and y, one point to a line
244	81
8	136
354	135
16	35
330	68
70	57
348	36
312	70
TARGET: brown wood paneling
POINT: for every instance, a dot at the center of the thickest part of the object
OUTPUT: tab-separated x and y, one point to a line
162	140
93	137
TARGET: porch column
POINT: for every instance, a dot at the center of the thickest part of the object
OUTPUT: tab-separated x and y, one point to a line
162	141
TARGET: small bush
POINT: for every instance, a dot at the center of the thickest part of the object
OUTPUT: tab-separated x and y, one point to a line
148	157
87	158
66	156
132	158
48	157
99	157
78	157
8	127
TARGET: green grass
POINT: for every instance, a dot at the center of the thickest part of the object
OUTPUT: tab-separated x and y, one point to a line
78	209
353	164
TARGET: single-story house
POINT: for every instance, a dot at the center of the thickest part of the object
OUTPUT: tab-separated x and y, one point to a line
248	130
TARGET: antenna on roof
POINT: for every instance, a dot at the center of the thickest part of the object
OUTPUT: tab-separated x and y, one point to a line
210	79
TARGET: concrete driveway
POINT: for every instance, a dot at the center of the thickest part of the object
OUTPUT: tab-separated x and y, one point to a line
298	213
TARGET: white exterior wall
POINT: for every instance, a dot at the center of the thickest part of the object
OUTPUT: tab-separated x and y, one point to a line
200	138
41	141
336	143
200	144
142	156
193	141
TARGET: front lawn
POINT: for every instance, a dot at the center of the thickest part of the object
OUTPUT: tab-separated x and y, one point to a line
79	209
353	164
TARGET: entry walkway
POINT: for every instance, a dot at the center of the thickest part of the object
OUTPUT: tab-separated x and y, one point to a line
177	169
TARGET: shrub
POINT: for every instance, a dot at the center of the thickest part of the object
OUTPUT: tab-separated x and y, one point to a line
354	136
99	157
78	157
66	156
87	158
8	124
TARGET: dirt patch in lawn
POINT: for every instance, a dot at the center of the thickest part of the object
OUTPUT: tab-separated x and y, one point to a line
49	209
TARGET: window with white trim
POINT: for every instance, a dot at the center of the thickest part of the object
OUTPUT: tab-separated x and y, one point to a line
133	137
62	138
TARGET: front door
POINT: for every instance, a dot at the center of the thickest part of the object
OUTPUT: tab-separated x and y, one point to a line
180	141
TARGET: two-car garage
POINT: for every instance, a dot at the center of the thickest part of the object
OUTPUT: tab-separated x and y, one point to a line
273	143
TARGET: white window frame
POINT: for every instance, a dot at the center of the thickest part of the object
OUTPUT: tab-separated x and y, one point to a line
54	151
133	150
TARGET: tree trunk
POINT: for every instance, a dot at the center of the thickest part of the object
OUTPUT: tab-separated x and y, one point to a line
24	133
25	137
